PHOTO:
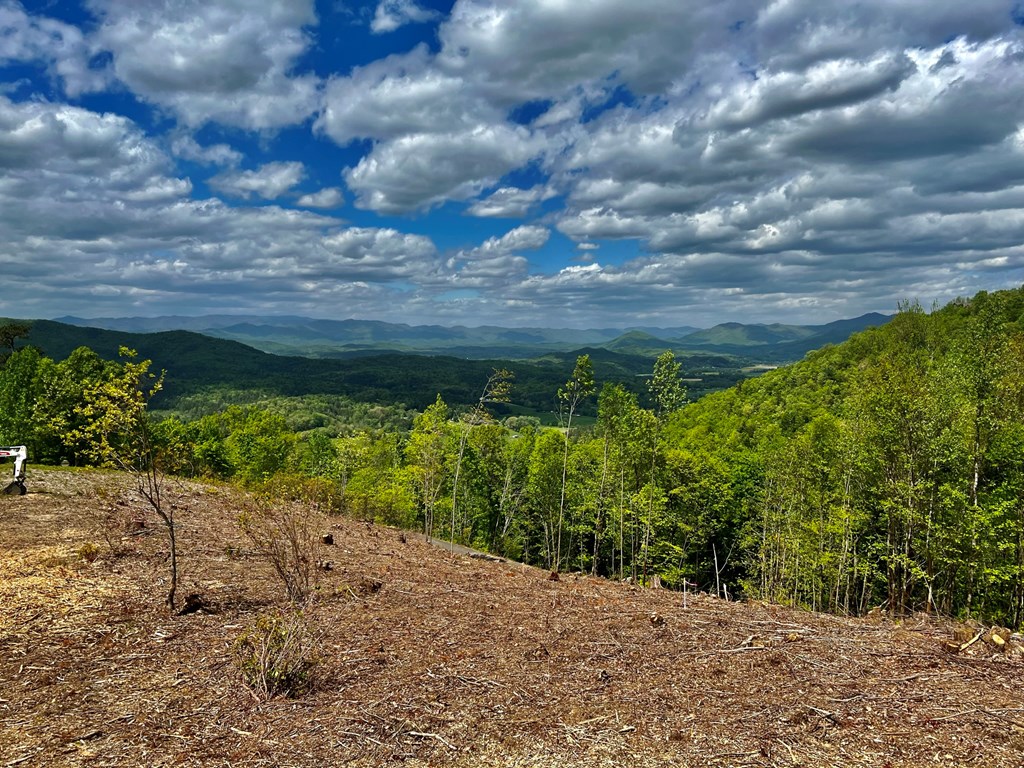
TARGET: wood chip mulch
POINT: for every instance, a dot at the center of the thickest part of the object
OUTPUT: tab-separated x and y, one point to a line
434	658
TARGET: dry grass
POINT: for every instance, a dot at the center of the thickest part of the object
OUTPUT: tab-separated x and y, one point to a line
433	658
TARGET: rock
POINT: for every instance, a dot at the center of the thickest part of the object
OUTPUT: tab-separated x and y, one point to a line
328	539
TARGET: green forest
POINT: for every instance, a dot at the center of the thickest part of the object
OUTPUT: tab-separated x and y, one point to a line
884	471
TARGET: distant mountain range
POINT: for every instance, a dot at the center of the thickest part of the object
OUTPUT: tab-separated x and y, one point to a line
308	337
197	363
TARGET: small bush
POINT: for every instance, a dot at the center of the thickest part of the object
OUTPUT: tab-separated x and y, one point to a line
88	552
288	535
277	656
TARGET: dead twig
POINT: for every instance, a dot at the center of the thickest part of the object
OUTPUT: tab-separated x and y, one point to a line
423	735
361	736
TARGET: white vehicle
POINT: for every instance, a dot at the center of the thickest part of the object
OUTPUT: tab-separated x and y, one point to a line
20	455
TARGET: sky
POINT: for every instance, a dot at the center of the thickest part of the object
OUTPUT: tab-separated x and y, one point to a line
561	163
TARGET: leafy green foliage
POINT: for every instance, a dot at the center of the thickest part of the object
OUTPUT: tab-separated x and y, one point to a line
278	656
885	470
880	467
205	375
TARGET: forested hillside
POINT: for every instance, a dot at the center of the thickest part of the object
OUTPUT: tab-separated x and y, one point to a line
887	470
203	371
884	471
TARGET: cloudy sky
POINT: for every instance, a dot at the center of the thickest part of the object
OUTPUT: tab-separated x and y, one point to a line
537	162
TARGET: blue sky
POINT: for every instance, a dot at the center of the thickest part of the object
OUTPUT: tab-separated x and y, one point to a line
543	162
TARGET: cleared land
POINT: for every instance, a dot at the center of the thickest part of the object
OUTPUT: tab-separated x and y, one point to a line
434	658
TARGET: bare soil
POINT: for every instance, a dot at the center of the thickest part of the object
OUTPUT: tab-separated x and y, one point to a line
435	658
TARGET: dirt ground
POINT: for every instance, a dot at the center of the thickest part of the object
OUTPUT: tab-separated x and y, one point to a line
431	658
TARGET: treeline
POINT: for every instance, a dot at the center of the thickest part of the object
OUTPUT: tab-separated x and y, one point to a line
888	470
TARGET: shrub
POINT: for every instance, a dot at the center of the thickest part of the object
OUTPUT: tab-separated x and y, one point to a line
277	656
288	535
88	552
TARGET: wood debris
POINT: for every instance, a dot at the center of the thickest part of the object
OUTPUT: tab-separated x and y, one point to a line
435	660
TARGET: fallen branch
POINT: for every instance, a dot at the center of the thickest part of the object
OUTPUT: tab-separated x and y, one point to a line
971	642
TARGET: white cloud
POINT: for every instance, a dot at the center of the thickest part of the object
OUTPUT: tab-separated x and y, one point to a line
525	238
793	156
61	47
188	148
510	202
392	14
98	224
825	85
269	181
380	254
328	197
397	97
70	155
497	261
421	171
227	61
537	49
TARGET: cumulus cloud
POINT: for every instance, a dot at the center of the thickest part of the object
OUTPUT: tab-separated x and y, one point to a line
510	202
62	48
527	237
328	197
188	148
539	50
71	155
424	170
269	181
778	159
380	254
400	96
497	261
98	223
392	14
228	61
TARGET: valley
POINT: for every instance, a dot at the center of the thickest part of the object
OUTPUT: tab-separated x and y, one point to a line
216	360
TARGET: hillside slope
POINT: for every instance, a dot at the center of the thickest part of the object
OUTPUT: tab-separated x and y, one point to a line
777	343
436	659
